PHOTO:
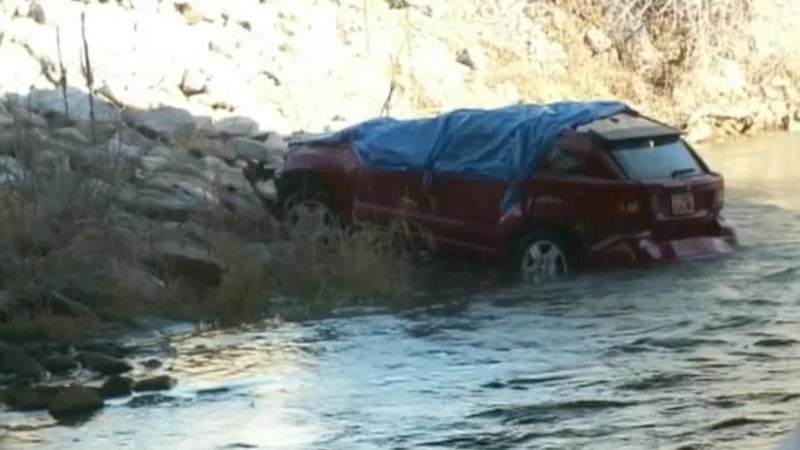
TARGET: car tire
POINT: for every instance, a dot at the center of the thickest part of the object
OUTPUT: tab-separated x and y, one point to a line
542	257
308	204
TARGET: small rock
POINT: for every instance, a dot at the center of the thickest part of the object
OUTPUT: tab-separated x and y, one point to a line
16	361
472	58
75	401
192	262
59	364
200	146
50	163
116	386
152	163
159	383
104	364
30	398
72	135
252	149
236	126
50	103
194	82
152	364
166	122
597	40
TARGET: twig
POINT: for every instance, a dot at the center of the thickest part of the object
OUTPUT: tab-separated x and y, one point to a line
62	79
89	76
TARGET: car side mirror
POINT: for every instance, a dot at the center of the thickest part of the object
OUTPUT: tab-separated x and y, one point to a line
430	181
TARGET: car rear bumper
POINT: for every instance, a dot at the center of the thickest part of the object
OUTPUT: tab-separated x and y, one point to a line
642	249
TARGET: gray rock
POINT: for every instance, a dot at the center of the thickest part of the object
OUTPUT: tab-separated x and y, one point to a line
12	171
17	361
200	146
152	163
72	135
26	118
167	122
152	363
103	364
75	401
51	102
190	262
49	163
252	149
236	126
116	386
259	254
159	383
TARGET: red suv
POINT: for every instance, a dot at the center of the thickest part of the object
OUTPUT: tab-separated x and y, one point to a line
546	188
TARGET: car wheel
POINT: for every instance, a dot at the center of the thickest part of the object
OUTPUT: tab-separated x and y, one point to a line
308	209
542	257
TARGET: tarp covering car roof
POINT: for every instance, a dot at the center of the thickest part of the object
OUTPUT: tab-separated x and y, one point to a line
504	143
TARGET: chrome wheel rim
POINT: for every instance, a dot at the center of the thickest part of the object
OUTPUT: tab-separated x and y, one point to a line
543	261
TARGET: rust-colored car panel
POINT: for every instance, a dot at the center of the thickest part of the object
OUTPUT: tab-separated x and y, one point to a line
607	187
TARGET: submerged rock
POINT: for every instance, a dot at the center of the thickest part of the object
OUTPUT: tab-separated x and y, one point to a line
159	383
117	386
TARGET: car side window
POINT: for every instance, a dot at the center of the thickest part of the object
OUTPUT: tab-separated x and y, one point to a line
560	159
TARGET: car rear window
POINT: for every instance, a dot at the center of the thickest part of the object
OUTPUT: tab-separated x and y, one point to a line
647	160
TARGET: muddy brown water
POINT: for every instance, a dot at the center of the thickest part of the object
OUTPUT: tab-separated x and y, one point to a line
691	356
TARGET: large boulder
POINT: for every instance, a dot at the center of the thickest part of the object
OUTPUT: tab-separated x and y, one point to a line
78	106
74	401
189	261
30	398
167	123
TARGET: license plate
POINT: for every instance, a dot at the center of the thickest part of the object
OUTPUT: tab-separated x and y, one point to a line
682	204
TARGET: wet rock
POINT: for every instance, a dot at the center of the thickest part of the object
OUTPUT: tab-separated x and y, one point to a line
152	364
104	364
74	401
166	122
117	386
12	172
141	401
59	364
17	361
159	383
30	398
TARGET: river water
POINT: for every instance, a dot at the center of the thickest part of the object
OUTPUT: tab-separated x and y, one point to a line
692	356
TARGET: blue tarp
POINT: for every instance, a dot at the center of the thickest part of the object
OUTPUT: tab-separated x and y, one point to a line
503	144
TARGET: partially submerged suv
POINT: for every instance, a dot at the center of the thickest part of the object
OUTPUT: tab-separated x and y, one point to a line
548	189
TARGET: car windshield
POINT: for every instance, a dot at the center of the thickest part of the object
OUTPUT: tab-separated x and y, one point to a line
643	161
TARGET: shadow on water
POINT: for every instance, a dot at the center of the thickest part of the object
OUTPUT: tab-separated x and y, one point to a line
685	356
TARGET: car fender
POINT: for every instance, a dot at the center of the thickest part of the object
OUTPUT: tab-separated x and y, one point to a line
334	167
543	212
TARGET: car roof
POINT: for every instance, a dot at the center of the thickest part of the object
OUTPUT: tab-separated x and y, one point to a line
626	126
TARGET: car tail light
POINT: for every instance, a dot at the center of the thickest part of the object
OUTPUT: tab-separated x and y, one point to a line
629	206
719	196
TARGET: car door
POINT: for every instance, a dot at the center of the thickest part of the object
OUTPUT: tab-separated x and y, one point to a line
388	196
462	212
